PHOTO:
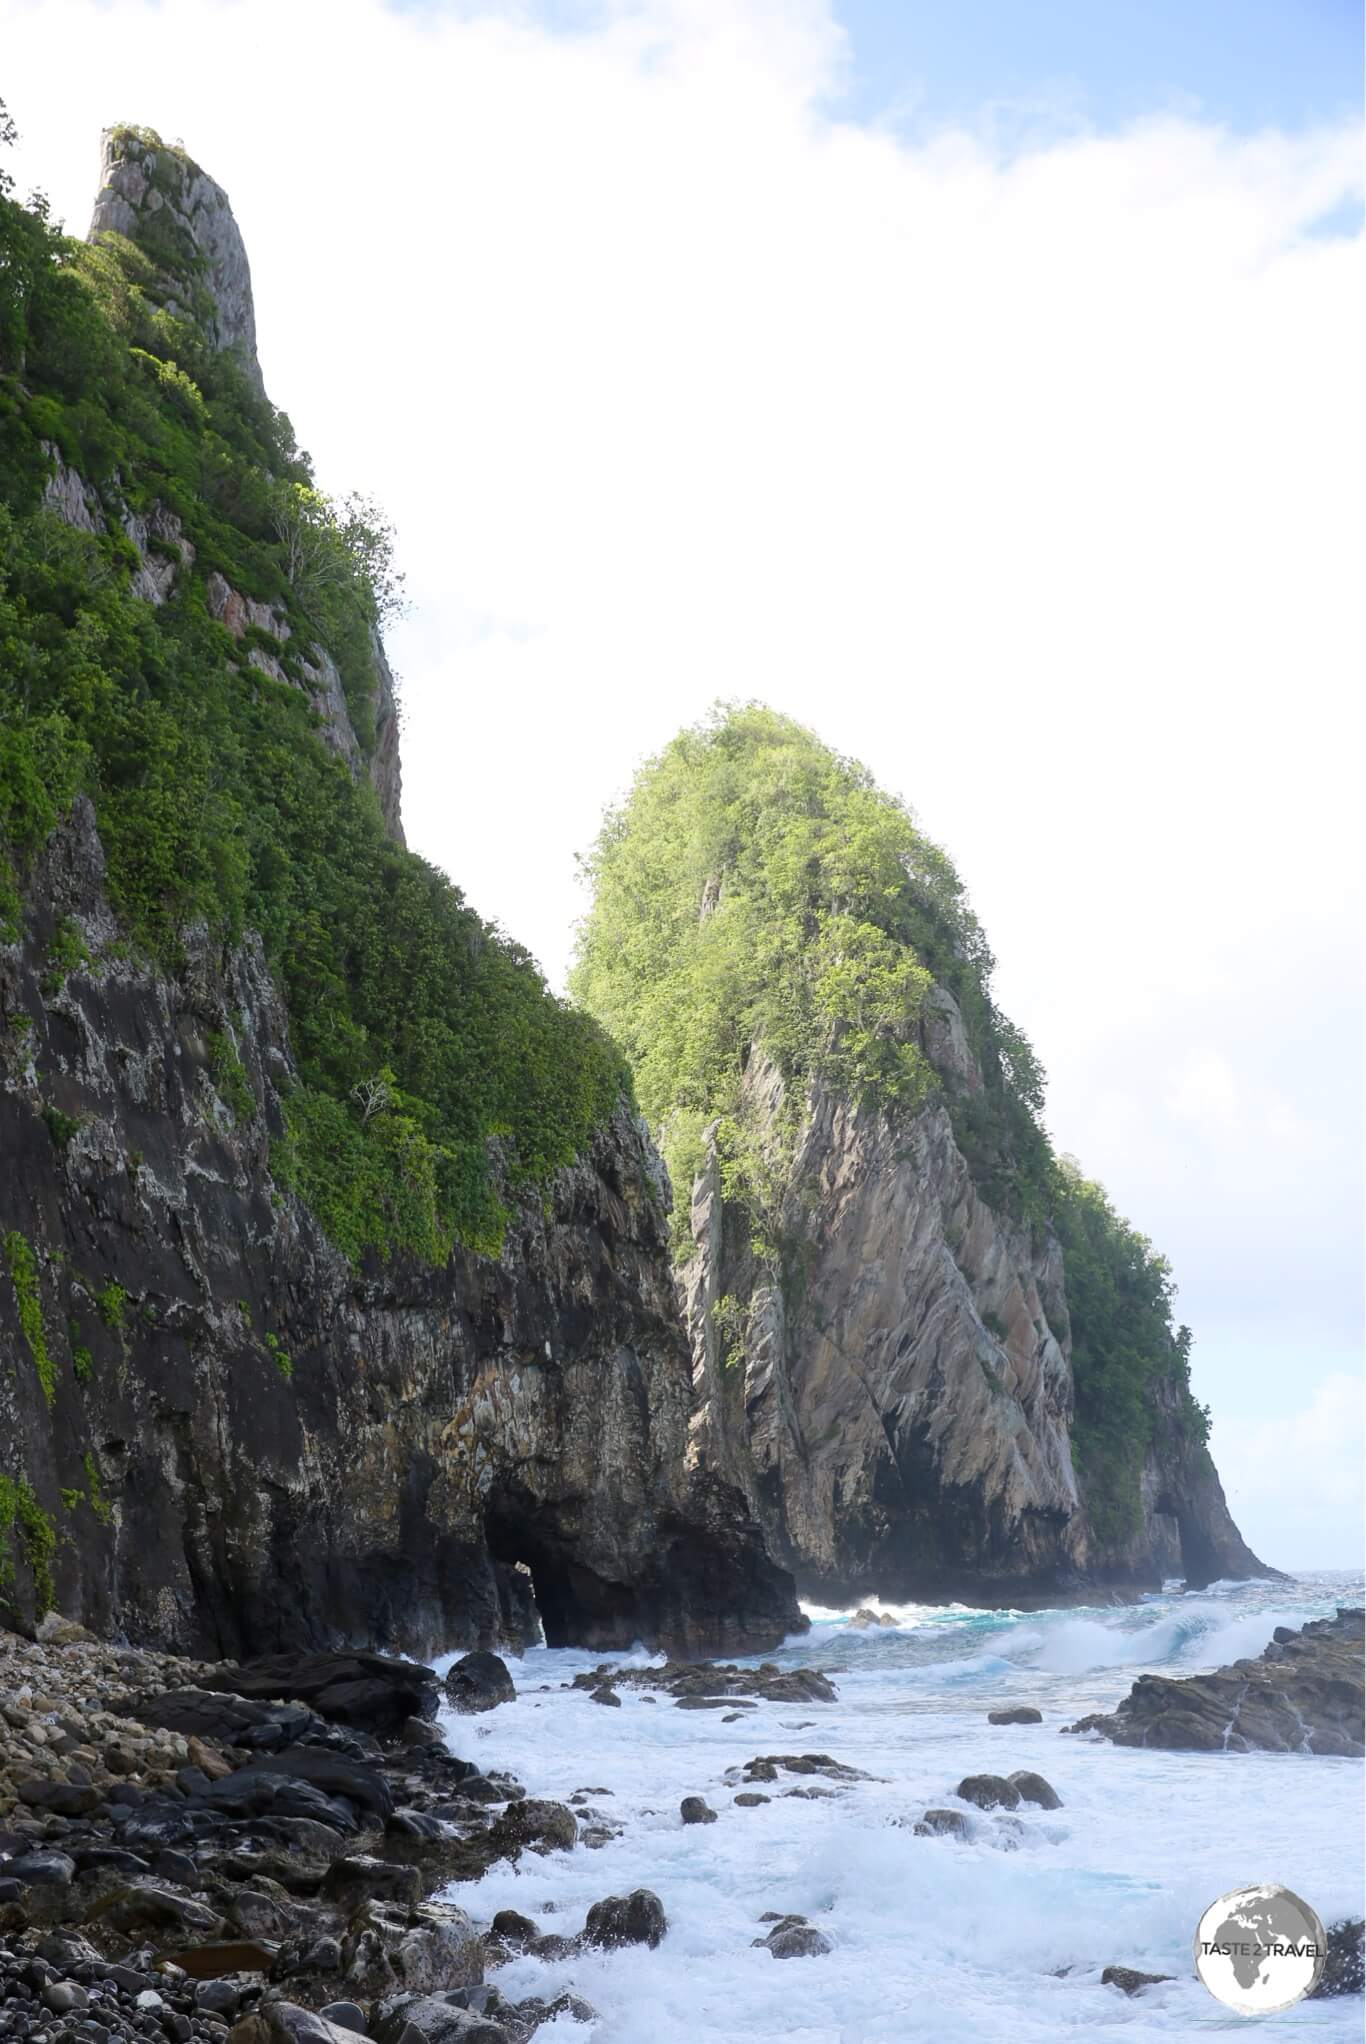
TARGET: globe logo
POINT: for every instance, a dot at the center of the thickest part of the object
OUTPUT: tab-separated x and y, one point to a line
1259	1949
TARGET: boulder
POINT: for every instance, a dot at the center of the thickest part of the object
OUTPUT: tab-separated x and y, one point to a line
693	1810
988	1792
284	2022
865	1620
1129	1981
800	1942
359	1877
943	1824
373	1691
535	1823
433	2019
479	1681
425	1951
634	1919
1032	1788
1017	1714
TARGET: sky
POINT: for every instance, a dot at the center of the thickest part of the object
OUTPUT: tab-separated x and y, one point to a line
979	385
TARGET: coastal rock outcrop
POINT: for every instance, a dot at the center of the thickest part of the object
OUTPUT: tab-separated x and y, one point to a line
898	1408
1303	1695
218	1431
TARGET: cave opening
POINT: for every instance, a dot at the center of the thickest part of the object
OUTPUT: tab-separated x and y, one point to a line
542	1581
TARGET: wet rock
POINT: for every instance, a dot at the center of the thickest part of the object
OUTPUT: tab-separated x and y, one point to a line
943	1824
358	1877
541	1825
284	2022
373	1691
1305	1694
42	1869
709	1685
345	2015
751	1800
1017	1714
479	1681
767	1766
433	2019
602	1694
1129	1981
147	1908
391	1951
988	1792
865	1620
1343	1966
332	1774
1032	1788
634	1919
513	1928
792	1937
693	1810
803	1942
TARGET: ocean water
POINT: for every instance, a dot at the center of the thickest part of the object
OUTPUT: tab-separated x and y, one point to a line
1000	1940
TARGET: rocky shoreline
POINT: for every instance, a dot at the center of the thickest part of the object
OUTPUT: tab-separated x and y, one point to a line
208	1851
1305	1694
249	1853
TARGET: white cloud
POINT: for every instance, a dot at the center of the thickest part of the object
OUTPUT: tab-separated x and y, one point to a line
1031	480
1294	1478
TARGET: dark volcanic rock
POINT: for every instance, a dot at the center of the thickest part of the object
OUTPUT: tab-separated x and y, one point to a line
372	1691
693	1810
1304	1695
1033	1788
319	1505
1129	1981
634	1919
943	1824
479	1681
989	1792
1017	1714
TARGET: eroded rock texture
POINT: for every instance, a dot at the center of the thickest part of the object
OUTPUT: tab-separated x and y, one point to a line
893	1389
1303	1695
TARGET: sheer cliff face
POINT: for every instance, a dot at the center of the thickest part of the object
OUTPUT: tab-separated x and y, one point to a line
215	1434
893	1390
252	1445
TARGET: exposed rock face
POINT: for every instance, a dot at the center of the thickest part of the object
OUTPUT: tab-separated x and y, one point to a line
156	197
259	1448
896	1400
1304	1695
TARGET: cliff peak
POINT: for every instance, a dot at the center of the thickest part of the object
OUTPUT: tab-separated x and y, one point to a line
155	195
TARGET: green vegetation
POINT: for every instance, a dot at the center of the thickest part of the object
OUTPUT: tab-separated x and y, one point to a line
20	1511
111	1303
94	1489
82	1363
279	1357
23	1270
230	1077
757	894
215	796
757	890
61	1127
1126	1354
66	953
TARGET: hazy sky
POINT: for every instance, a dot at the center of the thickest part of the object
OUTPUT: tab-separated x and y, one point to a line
978	384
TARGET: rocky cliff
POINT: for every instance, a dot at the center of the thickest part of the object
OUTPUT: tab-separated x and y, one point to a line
220	1431
894	1391
931	1356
